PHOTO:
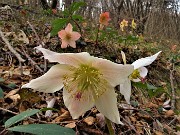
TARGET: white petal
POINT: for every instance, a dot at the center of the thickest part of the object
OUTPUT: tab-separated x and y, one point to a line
167	102
114	73
107	105
123	57
143	71
50	104
145	61
73	59
77	107
125	89
136	80
51	81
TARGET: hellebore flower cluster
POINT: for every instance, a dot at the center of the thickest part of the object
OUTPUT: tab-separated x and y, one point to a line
123	24
133	24
138	74
68	37
87	81
104	18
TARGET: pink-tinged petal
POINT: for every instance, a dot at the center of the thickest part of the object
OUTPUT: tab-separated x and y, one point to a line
64	44
72	43
145	61
74	59
143	73
69	28
114	73
62	34
125	90
51	81
75	36
107	105
77	107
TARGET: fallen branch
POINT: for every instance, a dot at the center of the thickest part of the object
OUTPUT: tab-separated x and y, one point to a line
11	48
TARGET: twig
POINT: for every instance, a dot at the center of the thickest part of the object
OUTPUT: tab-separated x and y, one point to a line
6	110
32	62
132	127
172	120
172	87
10	47
40	43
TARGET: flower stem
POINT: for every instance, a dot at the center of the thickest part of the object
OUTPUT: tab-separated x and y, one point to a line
97	35
110	127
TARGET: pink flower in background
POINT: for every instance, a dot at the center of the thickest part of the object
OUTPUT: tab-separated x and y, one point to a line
68	37
104	18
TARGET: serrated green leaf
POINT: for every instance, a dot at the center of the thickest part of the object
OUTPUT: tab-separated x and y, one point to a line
43	129
77	17
58	24
20	117
1	93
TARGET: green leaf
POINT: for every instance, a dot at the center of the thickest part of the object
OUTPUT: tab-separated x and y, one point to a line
43	129
58	24
20	117
77	17
76	5
1	93
12	85
132	38
139	85
1	80
151	87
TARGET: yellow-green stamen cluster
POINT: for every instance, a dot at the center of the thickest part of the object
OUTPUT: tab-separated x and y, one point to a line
83	79
135	74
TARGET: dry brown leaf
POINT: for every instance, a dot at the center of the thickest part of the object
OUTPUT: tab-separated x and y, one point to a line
89	120
133	119
11	93
139	127
152	105
15	98
71	125
63	116
158	133
169	113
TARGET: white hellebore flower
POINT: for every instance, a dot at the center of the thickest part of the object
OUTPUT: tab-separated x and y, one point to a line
87	81
138	74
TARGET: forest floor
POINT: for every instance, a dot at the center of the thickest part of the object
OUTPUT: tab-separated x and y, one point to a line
149	113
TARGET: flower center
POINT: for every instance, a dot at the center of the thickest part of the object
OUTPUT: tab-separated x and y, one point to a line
135	74
85	79
68	36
